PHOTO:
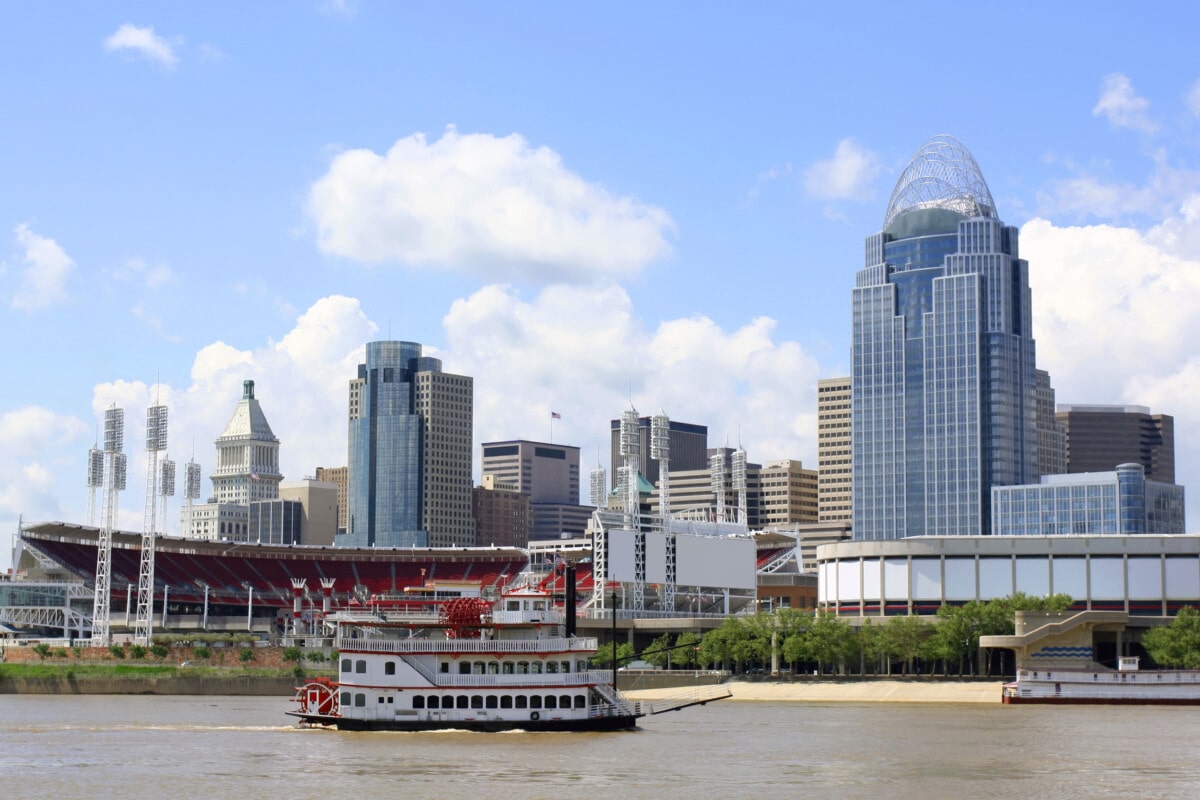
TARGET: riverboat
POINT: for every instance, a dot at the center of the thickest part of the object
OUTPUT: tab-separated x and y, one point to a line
1125	685
476	664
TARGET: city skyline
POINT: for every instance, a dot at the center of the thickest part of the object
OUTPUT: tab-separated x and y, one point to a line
193	203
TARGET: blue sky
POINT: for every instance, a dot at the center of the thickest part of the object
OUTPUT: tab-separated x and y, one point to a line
579	205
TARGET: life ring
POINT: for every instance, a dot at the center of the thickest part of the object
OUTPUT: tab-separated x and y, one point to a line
535	716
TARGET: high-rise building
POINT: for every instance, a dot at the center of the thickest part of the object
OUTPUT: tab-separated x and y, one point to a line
688	445
1099	437
410	429
247	455
549	475
787	494
942	385
339	477
1051	434
247	472
501	514
833	449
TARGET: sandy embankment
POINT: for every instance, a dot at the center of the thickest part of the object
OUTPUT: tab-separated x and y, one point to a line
852	692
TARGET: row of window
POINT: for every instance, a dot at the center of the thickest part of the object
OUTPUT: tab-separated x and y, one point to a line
421	702
480	667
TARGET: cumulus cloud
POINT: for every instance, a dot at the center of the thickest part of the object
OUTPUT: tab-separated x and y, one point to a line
1122	106
33	440
1086	196
1127	300
586	354
143	42
137	269
847	175
483	204
44	275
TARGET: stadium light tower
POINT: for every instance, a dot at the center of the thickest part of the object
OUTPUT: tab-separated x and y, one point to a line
716	466
95	480
599	492
156	442
191	492
739	483
660	450
114	482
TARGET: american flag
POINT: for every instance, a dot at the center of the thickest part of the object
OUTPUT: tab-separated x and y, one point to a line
555	415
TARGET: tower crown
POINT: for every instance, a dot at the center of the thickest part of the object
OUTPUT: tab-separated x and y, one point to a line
942	176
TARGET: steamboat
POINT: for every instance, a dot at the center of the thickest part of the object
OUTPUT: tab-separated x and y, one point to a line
472	663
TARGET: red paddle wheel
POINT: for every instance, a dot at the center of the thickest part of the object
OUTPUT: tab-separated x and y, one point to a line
318	696
463	616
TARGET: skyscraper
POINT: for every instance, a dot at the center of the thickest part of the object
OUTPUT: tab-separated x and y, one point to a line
833	449
410	429
1099	437
942	398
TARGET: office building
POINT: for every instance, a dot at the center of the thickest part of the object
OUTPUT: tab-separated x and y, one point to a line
410	429
1051	434
501	513
833	449
692	492
549	474
1099	437
1120	501
340	478
942	384
319	506
787	494
688	443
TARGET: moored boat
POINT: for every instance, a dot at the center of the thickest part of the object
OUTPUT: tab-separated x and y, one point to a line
1125	685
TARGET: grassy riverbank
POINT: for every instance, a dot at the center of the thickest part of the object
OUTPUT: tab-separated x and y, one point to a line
36	678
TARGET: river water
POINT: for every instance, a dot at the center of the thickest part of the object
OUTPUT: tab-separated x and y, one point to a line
149	747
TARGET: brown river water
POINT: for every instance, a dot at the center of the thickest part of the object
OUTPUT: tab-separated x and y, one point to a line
244	748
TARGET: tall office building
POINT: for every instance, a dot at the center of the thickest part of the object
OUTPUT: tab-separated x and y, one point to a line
410	429
339	477
833	449
942	395
1099	437
1051	434
549	475
688	445
787	494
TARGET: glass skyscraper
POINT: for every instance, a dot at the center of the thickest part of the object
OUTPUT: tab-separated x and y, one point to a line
943	383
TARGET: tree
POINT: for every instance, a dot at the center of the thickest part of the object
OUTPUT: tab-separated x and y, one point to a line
686	646
604	655
905	639
1177	644
659	652
829	640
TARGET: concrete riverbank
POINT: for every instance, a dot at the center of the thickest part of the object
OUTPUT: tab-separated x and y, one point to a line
866	691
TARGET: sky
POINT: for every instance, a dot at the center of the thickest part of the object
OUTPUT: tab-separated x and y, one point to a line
581	205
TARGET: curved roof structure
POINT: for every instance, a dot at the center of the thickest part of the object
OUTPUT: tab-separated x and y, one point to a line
942	174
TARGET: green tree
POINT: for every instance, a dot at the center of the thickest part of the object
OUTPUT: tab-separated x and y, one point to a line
659	652
1177	644
42	649
291	654
137	651
716	648
247	655
828	641
604	655
905	639
686	646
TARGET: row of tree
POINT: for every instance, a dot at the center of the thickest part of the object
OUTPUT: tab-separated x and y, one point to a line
800	641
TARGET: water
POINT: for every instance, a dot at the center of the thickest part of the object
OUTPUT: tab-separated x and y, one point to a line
98	747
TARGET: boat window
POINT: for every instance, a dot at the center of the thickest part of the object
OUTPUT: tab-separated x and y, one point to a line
512	605
360	700
580	701
418	701
535	701
539	605
462	701
565	666
491	701
522	701
476	701
552	667
444	666
464	668
493	667
360	666
507	667
506	701
479	667
581	666
380	700
433	701
536	668
345	665
389	668
551	701
345	698
522	667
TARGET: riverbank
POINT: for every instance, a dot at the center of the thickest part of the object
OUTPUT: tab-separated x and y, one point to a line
843	691
136	679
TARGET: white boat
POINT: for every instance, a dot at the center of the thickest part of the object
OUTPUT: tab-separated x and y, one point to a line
1125	685
474	664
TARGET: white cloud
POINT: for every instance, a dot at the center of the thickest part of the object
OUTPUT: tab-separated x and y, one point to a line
144	42
44	279
152	275
585	354
479	203
40	447
1116	316
1121	106
1087	196
848	174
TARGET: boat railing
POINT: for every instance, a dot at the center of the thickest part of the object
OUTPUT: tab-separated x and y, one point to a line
495	681
503	646
1115	676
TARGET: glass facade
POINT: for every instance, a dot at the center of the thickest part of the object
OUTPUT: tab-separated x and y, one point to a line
943	375
1121	502
384	493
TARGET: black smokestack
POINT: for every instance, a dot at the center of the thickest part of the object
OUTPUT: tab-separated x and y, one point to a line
570	600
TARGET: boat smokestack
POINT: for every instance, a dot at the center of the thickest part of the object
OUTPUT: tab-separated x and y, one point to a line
569	590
